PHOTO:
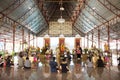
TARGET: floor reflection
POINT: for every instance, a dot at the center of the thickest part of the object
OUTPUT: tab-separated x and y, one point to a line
77	72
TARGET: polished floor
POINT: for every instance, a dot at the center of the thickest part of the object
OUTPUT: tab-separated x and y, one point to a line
77	72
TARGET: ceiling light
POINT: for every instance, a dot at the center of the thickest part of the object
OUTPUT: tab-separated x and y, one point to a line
46	36
93	8
61	20
62	8
77	36
61	36
29	7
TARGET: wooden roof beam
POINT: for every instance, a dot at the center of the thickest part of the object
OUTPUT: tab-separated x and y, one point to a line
115	12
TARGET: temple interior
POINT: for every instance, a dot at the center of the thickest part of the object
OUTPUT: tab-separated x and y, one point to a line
59	40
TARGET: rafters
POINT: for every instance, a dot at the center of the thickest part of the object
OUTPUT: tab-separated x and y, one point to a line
77	12
81	27
31	22
78	30
87	20
85	23
23	16
95	16
110	7
90	21
95	13
40	4
42	31
52	10
11	21
13	6
14	2
29	13
98	16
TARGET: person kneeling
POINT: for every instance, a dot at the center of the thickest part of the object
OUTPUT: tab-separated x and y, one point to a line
27	64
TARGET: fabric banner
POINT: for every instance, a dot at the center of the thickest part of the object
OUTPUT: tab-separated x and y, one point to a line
47	42
62	44
77	42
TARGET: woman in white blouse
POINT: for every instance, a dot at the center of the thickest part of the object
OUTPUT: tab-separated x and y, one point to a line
27	64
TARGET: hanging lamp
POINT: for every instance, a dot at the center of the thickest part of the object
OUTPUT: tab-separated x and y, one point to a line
61	19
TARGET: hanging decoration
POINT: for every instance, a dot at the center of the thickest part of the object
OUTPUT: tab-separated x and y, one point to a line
106	47
47	42
77	40
62	44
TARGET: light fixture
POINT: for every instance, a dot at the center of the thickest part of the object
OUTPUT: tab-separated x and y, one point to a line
46	36
77	36
61	19
61	8
29	7
93	8
61	36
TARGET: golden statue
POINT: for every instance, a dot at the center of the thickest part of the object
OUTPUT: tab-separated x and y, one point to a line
106	47
62	47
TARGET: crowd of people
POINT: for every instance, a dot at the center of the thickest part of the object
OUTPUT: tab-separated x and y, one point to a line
61	66
54	65
7	62
64	66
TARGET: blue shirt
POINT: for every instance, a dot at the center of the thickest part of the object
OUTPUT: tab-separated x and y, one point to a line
53	66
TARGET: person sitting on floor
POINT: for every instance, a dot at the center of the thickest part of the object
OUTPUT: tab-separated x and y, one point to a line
20	60
89	63
8	61
1	61
118	61
100	62
64	66
53	65
27	64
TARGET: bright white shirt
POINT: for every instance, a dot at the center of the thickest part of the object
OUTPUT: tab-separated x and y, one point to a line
89	64
20	62
27	63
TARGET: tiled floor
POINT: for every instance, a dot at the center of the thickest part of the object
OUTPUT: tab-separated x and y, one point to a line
76	73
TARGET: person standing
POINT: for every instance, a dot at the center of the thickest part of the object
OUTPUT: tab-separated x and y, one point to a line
78	52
